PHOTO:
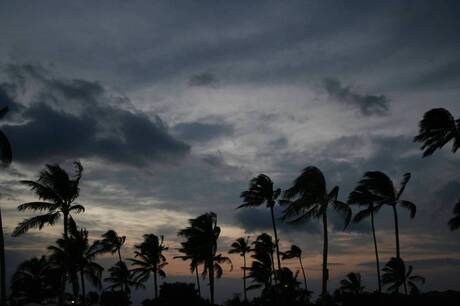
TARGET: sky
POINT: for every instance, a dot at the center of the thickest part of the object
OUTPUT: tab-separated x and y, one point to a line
173	106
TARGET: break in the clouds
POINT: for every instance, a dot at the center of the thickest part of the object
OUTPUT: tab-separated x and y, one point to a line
173	106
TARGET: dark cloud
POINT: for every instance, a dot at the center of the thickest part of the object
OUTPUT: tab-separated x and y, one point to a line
202	131
367	104
206	79
431	263
72	119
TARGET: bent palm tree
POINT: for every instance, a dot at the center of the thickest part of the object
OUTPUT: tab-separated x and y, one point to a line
437	128
149	260
362	197
112	242
296	252
192	255
381	188
352	284
241	246
395	276
308	198
454	223
121	277
6	158
262	266
202	236
261	191
58	192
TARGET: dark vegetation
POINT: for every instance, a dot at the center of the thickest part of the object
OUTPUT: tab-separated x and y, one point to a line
70	275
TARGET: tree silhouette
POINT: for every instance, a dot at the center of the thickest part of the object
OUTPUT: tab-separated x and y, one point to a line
149	260
454	223
34	282
112	243
6	158
262	266
261	191
296	252
363	197
437	128
352	284
193	255
395	276
241	246
58	191
202	236
121	277
381	187
308	198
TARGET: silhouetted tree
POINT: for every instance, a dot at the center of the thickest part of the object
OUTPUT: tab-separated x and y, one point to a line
149	260
381	187
241	246
58	192
261	191
6	158
34	282
454	223
437	128
121	277
308	198
193	255
262	266
395	276
352	284
202	236
363	197
296	252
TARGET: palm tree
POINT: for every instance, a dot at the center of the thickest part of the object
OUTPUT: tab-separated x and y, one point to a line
261	191
296	252
6	158
363	197
454	223
382	189
112	242
352	284
121	277
202	236
262	266
437	128
149	260
58	192
241	246
195	261
308	198
395	276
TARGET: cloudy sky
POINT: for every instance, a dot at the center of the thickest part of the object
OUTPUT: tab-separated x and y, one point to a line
172	106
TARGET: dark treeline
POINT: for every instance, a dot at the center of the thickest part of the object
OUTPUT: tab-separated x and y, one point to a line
69	272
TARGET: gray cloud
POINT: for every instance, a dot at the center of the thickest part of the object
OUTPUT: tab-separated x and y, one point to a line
71	119
367	104
206	79
202	131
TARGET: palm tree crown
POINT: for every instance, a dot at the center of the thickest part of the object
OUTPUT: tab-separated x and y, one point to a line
437	128
396	276
352	284
296	252
241	246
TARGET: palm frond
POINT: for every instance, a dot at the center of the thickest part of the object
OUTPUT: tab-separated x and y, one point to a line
409	206
41	206
35	222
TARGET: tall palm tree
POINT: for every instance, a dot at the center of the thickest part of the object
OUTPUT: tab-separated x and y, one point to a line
202	236
396	276
363	197
454	223
296	252
149	260
381	188
308	198
58	192
437	128
241	246
261	191
352	284
6	158
34	282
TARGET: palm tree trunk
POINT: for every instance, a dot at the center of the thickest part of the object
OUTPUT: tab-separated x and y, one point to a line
155	284
303	273
211	282
2	265
83	288
325	250
65	268
244	277
398	254
376	252
276	237
120	261
198	280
